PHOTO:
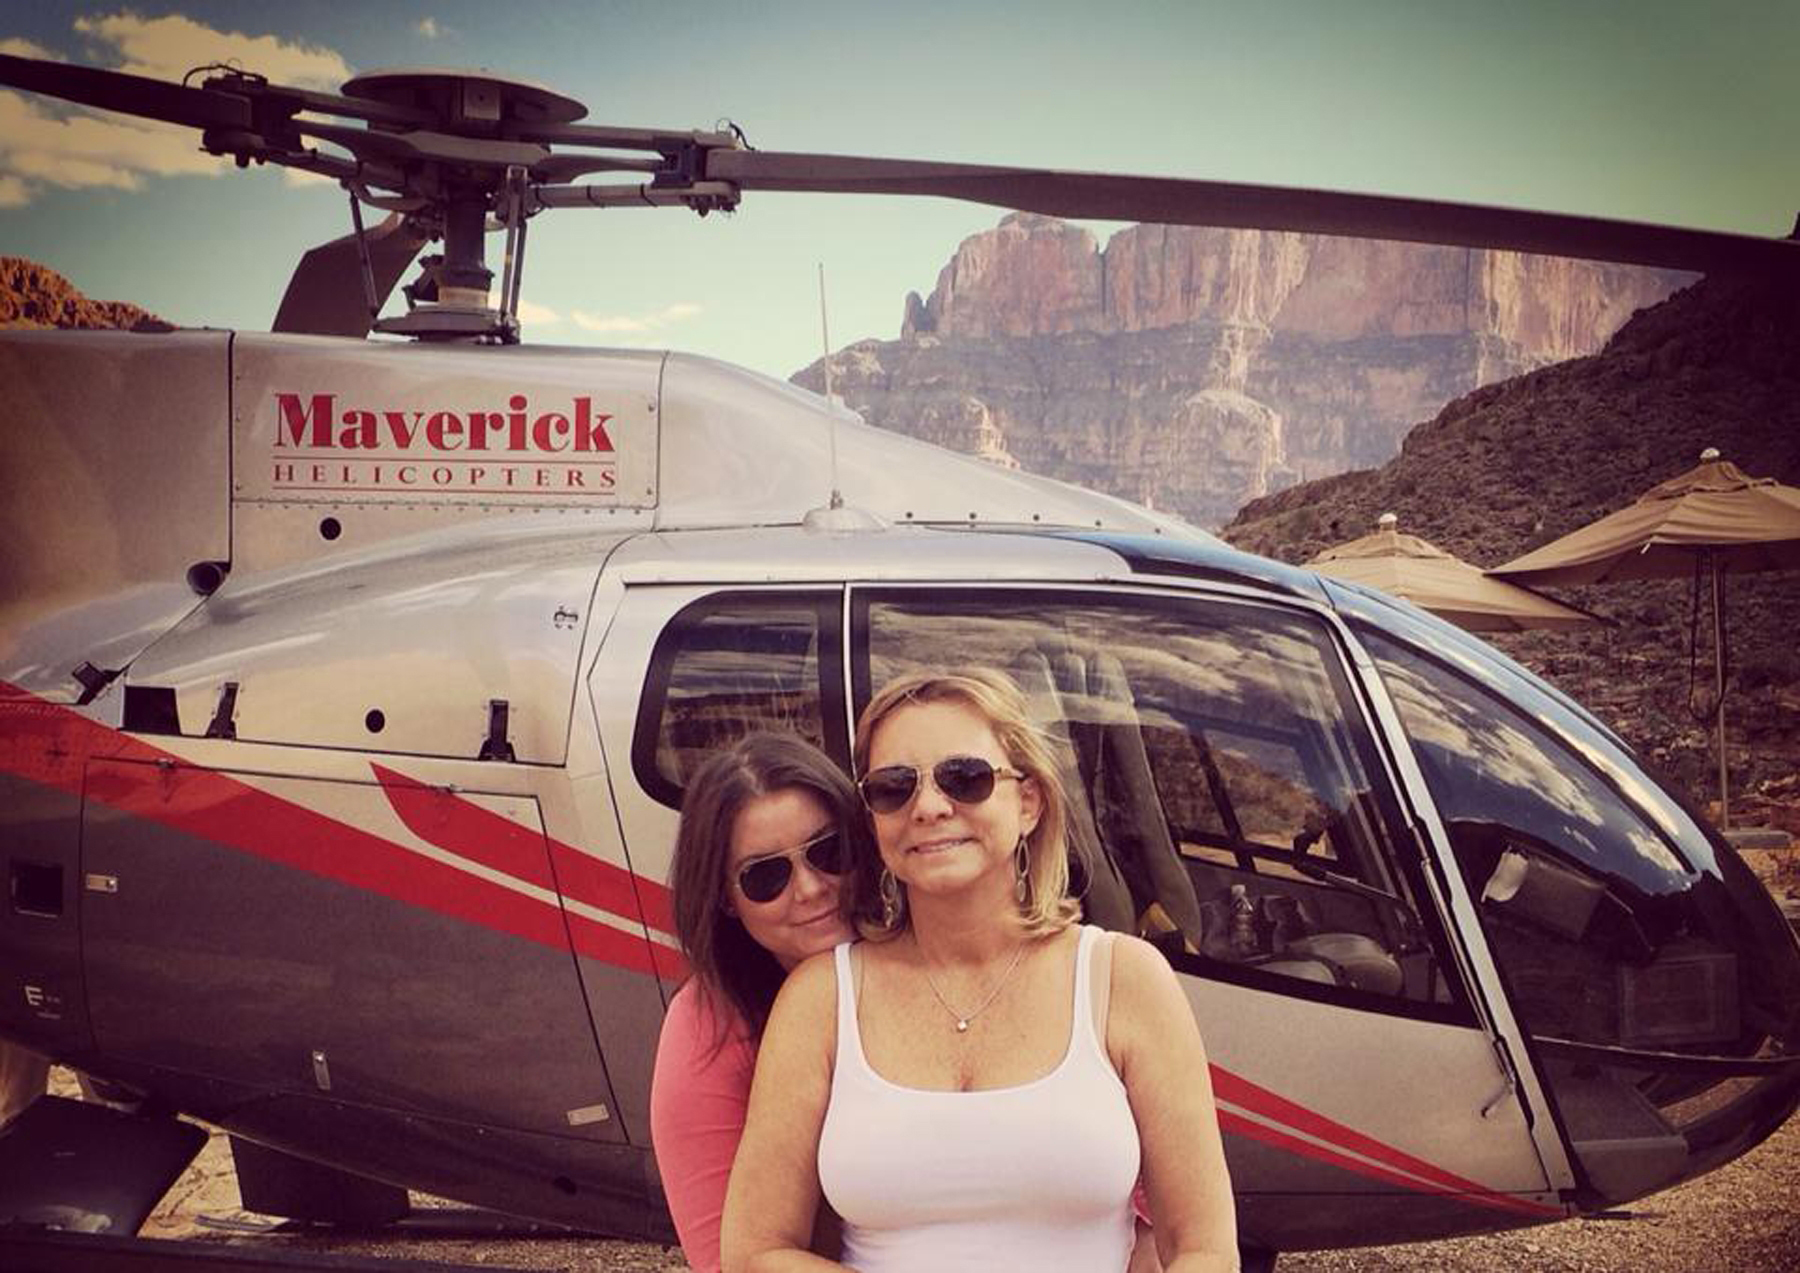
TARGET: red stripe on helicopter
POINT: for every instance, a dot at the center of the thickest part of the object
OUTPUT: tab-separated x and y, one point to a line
1237	1124
437	816
1395	1166
441	817
51	745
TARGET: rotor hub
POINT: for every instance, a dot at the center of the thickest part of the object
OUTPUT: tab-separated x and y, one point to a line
467	101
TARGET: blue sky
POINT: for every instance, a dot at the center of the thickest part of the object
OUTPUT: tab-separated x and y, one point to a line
1653	111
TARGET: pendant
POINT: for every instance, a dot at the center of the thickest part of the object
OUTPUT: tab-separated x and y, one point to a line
962	1027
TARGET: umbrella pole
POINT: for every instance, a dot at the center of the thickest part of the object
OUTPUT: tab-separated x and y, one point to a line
1718	599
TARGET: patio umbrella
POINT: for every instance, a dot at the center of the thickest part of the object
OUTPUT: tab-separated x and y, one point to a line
1713	517
1420	572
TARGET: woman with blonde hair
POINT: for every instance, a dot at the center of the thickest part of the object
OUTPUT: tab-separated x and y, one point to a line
980	1083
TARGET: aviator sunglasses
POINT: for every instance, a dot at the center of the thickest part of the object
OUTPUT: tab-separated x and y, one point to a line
963	779
766	878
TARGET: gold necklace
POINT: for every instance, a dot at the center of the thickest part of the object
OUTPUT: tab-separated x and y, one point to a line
962	1019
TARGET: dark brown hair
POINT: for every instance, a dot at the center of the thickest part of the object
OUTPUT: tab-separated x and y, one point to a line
724	959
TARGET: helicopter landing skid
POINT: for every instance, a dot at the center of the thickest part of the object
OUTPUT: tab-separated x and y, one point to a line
88	1168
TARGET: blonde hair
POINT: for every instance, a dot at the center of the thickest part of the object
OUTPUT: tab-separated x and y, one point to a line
994	697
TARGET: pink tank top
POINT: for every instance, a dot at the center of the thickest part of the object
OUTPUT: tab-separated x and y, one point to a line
1037	1176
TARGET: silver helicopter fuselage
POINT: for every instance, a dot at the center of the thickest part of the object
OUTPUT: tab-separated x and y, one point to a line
347	689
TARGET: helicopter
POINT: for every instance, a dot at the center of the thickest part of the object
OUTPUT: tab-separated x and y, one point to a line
348	687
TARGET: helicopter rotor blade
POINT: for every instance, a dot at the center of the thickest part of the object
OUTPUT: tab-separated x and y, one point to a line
224	100
128	94
1175	201
325	296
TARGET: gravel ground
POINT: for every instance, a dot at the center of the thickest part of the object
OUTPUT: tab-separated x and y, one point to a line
1743	1218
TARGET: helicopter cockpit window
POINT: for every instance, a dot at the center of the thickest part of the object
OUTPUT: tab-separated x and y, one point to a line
732	665
1620	947
1222	783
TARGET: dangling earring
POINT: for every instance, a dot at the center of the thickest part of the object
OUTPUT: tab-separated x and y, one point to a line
893	904
1022	872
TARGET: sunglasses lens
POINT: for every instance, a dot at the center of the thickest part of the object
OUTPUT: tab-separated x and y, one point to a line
965	779
764	881
826	854
886	790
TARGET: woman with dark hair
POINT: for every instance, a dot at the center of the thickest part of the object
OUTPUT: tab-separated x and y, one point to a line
759	860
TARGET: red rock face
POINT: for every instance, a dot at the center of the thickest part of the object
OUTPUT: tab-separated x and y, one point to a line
1195	369
1030	276
1166	276
33	295
1037	276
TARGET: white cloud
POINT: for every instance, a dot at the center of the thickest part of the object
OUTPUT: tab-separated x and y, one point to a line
635	325
529	311
43	143
170	47
83	149
429	28
16	47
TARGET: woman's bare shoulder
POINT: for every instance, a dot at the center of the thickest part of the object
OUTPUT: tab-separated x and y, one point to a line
1136	960
1144	987
809	991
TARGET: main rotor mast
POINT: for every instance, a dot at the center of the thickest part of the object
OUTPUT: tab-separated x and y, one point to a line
482	166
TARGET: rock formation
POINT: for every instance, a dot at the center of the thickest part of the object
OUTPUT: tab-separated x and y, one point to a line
33	295
1193	369
1514	465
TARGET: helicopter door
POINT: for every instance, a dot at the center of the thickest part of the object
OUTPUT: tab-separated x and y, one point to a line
1239	815
378	944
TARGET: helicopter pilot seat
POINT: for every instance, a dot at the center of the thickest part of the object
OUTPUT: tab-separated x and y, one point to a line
1094	878
1138	874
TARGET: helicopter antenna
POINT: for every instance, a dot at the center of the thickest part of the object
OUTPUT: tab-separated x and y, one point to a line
834	516
837	496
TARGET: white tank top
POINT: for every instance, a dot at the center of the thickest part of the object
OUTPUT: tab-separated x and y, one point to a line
1037	1176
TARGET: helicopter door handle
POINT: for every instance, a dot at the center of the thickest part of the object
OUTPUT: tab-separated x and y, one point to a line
1510	1078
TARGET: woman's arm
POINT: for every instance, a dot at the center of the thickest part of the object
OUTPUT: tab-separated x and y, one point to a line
1156	1045
774	1195
698	1098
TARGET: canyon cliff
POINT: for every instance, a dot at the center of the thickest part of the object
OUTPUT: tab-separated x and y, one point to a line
1194	369
1511	466
36	296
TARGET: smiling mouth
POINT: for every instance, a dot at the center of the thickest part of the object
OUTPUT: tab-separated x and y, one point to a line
938	846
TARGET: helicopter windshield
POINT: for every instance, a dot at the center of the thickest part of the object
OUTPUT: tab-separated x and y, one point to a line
1656	984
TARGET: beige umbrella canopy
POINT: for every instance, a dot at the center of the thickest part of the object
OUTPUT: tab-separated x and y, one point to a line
1420	572
1714	516
1714	511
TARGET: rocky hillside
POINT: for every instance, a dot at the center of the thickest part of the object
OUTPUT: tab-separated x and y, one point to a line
1193	369
1511	466
33	295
